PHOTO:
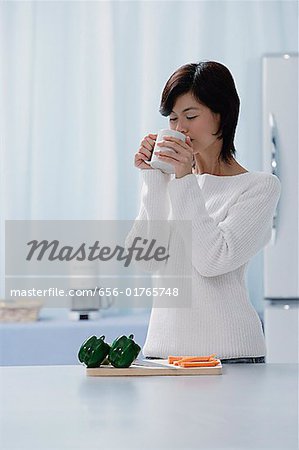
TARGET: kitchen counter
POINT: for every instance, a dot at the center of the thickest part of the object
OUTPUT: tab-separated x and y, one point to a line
249	406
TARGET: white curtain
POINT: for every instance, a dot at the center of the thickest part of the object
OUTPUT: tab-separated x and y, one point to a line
80	84
57	104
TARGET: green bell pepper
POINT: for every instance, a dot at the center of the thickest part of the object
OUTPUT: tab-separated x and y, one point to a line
123	351
93	351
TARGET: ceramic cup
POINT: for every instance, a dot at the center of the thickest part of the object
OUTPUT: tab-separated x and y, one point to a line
155	163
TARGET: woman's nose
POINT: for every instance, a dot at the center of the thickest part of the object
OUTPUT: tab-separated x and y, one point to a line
181	127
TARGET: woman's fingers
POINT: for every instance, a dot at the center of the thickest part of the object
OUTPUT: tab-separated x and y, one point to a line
177	143
139	161
145	151
185	144
148	142
178	150
168	154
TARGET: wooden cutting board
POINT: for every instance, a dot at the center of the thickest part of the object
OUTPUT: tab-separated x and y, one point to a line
138	371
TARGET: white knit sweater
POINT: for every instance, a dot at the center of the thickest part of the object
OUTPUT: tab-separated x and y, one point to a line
231	221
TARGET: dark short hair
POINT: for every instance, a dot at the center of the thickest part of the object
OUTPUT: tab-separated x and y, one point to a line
212	84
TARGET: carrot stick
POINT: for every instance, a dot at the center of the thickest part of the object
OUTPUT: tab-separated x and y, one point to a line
199	364
174	359
197	358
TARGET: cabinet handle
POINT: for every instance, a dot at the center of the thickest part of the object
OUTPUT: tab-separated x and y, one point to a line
274	167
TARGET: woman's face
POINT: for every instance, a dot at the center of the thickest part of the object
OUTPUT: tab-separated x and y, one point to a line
196	121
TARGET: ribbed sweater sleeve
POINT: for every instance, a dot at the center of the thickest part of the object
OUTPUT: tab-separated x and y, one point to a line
155	203
218	248
152	219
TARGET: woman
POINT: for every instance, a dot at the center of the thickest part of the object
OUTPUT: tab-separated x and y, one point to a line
231	210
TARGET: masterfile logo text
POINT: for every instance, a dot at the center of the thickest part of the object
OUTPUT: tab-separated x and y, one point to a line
146	250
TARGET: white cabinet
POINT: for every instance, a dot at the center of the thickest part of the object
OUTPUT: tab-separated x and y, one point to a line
281	331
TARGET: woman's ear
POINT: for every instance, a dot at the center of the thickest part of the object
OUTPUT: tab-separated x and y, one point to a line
217	121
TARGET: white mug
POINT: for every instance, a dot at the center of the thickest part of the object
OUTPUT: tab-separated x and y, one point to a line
155	162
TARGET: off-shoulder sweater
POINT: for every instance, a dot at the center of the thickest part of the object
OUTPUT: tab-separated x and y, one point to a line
231	219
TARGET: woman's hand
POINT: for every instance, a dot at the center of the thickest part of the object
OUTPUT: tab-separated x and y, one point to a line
145	151
182	159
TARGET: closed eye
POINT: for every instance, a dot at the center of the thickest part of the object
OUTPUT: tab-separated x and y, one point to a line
188	118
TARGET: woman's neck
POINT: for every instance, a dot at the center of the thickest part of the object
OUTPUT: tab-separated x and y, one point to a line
209	162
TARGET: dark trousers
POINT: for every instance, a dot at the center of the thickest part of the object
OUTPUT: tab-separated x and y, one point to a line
255	360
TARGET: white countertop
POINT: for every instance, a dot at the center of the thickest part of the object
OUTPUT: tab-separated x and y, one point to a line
249	406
